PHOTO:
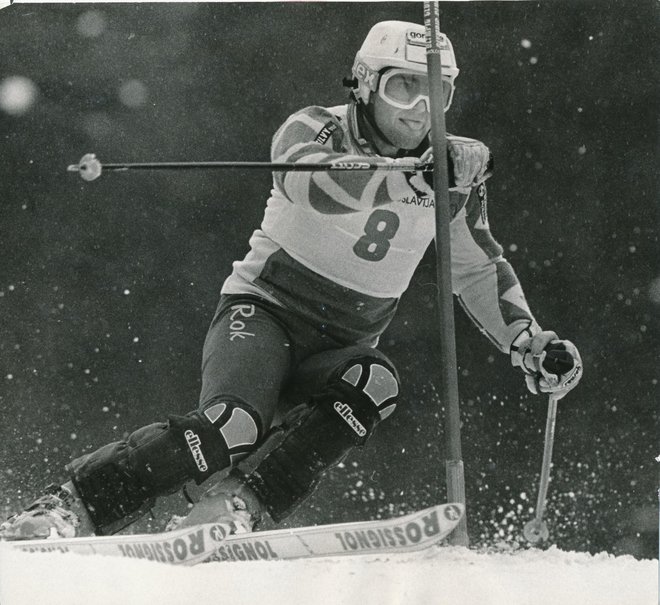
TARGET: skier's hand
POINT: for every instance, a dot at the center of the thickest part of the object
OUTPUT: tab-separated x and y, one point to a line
469	163
550	365
420	181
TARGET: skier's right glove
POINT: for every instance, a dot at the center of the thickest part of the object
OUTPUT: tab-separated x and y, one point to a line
469	163
550	365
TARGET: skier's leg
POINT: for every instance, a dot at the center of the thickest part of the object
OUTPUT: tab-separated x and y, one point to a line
355	389
245	363
349	391
120	481
246	357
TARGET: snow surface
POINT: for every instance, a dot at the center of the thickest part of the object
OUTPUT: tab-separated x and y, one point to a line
449	575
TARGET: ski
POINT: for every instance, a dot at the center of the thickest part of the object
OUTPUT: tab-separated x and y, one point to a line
212	541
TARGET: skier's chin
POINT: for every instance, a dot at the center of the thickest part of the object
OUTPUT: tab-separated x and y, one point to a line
409	142
409	138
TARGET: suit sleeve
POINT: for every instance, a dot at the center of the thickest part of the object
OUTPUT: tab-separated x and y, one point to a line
315	135
483	280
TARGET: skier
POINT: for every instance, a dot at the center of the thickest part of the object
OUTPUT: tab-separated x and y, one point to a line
291	376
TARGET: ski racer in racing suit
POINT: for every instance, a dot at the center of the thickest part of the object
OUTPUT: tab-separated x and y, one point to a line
291	377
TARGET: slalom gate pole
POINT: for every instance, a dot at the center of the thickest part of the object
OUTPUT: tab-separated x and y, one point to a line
448	365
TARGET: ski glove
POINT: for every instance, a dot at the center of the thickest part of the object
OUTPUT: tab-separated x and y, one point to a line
469	162
550	365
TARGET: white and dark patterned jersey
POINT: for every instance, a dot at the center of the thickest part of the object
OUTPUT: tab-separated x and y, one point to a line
340	247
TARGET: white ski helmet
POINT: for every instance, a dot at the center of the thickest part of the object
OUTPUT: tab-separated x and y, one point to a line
398	44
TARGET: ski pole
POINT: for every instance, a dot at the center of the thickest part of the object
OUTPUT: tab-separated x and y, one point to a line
90	168
537	529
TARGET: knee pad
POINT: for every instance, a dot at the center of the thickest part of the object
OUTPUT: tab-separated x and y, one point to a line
342	416
238	424
120	481
370	384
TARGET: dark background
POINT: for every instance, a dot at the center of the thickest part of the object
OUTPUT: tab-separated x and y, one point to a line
107	288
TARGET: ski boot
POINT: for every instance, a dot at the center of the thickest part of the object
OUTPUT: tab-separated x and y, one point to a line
229	502
48	517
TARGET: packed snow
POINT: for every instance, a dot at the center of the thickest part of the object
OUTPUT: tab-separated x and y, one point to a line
447	575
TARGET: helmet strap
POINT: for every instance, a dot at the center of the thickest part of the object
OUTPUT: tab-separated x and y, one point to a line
350	82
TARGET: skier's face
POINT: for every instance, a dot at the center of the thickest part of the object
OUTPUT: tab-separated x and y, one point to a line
405	128
401	105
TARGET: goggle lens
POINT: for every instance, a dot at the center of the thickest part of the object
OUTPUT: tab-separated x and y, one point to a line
404	89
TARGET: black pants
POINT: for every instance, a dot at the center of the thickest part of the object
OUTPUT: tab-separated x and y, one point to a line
266	357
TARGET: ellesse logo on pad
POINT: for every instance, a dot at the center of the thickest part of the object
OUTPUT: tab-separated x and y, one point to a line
195	445
346	412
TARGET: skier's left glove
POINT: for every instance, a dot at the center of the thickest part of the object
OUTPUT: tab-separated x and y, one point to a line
469	162
550	365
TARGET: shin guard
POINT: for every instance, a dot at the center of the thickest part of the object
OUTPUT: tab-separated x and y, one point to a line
119	482
340	418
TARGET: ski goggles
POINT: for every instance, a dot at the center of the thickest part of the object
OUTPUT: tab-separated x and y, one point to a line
403	89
